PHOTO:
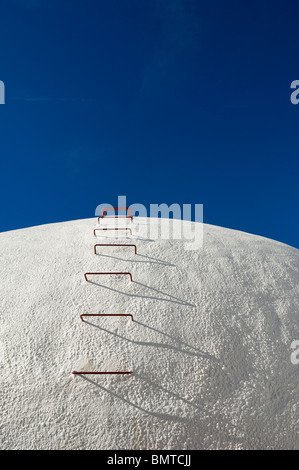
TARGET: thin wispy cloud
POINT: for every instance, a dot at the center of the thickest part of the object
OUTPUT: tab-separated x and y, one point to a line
49	99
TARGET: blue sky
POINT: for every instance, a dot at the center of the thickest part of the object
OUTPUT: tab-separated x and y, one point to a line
159	100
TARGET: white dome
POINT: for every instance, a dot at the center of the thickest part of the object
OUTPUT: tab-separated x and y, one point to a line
209	346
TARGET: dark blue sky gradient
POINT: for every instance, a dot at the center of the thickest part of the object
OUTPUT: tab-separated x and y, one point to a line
159	100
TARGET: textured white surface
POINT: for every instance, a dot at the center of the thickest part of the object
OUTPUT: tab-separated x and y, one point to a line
210	347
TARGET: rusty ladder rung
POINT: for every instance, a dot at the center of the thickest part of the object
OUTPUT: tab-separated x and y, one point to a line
106	209
116	217
115	228
106	273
